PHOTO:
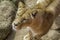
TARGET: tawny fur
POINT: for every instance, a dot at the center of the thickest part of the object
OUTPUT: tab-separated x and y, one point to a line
43	20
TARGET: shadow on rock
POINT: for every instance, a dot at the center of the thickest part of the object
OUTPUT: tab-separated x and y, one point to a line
11	36
57	22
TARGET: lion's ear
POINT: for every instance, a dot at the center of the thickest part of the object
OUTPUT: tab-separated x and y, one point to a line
21	5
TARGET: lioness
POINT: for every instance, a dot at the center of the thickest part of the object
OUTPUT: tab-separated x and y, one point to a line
37	17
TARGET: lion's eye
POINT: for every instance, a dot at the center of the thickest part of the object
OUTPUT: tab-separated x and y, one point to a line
34	14
24	20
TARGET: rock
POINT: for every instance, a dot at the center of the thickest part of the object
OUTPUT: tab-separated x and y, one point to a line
56	24
4	0
15	2
7	9
51	35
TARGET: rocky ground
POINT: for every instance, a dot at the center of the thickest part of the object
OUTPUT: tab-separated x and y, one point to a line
7	13
6	16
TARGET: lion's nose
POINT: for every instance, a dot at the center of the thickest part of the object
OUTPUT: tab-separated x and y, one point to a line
16	24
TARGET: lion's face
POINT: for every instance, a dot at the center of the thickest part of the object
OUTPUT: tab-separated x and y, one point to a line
25	20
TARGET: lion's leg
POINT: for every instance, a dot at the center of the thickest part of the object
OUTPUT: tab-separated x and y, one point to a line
38	37
28	36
